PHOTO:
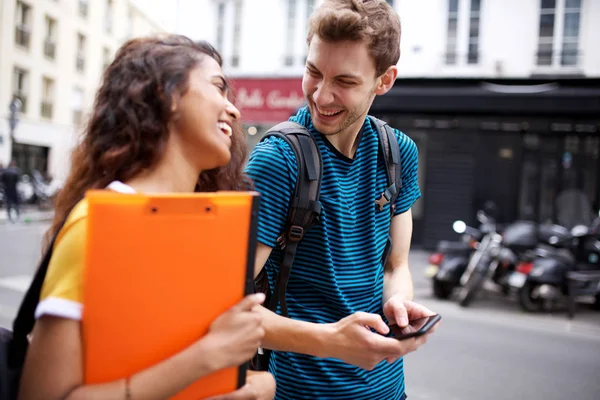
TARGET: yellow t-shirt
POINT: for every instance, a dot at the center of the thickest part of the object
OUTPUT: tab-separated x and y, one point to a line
62	291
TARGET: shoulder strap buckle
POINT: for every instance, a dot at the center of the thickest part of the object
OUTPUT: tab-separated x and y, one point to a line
296	233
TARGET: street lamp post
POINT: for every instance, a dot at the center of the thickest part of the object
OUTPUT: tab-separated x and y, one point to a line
13	121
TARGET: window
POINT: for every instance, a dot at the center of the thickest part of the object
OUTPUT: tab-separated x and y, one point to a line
558	43
80	59
20	86
83	8
105	58
108	17
47	97
50	40
23	24
237	29
451	32
220	26
546	32
570	38
390	2
77	106
291	30
473	54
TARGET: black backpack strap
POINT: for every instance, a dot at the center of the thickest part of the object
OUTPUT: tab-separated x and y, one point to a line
390	149
25	319
304	208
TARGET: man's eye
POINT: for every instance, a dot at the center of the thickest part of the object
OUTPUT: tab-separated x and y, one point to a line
347	83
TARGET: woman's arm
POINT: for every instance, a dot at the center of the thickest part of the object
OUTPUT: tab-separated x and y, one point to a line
54	363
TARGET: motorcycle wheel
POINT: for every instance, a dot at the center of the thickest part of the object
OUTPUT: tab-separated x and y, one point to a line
468	292
526	300
442	290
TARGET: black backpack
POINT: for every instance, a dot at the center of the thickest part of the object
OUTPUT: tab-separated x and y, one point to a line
305	209
14	344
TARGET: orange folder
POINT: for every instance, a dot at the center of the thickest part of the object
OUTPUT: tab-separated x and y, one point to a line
159	270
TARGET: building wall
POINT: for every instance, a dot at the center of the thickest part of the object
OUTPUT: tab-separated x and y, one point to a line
59	132
508	37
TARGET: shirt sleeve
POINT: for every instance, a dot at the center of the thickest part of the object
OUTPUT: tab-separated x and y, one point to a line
273	168
62	293
409	158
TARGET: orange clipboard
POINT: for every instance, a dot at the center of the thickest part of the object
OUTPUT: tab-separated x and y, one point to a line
159	270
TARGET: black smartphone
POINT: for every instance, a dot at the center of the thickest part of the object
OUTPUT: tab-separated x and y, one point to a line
416	327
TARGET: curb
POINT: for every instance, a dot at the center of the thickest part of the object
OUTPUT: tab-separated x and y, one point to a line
30	218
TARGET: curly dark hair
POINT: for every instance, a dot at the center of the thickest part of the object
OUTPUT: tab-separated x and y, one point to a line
128	127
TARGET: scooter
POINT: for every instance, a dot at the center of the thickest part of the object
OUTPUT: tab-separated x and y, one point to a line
448	263
500	254
545	284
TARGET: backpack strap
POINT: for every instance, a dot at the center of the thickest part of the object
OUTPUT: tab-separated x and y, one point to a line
304	208
390	149
25	319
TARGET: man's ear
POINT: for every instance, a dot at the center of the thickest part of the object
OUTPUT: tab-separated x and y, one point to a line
386	81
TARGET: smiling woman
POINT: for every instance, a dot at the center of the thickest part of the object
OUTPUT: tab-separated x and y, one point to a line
162	122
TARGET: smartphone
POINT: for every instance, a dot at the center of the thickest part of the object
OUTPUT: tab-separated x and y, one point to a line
416	327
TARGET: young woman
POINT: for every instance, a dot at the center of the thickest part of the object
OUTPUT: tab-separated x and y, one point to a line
162	123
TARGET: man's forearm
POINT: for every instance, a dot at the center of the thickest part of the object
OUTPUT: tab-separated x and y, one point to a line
397	281
286	334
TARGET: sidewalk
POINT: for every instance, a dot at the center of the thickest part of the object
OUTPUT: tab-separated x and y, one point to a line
29	214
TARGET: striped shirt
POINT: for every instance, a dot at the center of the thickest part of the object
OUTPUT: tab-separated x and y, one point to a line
338	266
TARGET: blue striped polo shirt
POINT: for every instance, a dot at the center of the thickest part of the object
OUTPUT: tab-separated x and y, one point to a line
338	266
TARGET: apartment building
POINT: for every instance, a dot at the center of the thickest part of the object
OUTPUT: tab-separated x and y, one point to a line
52	54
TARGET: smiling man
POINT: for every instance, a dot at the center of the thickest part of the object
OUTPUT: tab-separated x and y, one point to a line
338	286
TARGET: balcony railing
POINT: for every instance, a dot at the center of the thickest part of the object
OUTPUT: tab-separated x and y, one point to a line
46	109
80	63
565	58
22	35
50	48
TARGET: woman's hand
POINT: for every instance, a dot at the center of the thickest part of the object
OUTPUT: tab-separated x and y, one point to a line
234	337
259	386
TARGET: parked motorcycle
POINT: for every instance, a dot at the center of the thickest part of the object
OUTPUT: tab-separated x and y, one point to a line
450	260
499	255
546	283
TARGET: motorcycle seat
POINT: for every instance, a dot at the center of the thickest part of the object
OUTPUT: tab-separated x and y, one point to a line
446	246
562	255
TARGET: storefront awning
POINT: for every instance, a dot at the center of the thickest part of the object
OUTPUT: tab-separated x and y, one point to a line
566	97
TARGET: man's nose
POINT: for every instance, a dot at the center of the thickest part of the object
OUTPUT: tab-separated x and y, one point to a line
323	95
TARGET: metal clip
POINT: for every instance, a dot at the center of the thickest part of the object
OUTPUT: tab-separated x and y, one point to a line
382	201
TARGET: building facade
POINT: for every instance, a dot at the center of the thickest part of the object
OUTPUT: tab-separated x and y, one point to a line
502	97
53	53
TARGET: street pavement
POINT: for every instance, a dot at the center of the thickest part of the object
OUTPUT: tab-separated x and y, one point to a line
491	350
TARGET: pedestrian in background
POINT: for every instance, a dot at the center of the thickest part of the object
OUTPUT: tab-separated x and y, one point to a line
10	180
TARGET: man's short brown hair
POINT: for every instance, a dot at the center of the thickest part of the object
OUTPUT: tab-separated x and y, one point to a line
373	21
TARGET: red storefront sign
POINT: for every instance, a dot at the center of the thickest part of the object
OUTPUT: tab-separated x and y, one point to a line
264	100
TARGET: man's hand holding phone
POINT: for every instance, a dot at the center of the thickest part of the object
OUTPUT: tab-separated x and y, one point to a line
352	340
400	313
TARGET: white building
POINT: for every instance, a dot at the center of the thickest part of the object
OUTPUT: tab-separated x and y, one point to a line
263	43
52	56
458	38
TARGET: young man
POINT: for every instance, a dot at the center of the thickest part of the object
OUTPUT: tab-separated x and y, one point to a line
338	287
